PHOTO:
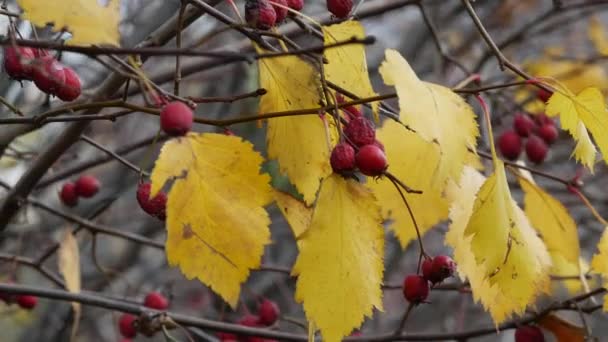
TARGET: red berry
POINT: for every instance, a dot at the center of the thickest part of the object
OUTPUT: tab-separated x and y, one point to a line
379	144
543	95
281	12
352	111
18	62
68	195
543	119
427	269
70	90
260	14
87	186
360	131
548	132
295	4
27	302
371	160
509	145
226	337
340	8
443	267
153	206
415	289
156	300
48	74
528	333
536	149
250	321
126	327
342	158
523	125
268	312
176	118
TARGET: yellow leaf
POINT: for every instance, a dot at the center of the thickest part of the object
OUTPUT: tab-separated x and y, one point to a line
597	35
299	143
87	20
508	273
434	112
587	110
340	265
298	215
574	75
412	160
69	266
216	223
563	330
347	66
552	220
599	263
564	268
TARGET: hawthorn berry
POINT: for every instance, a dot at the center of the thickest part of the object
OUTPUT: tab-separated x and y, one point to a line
371	160
281	12
543	119
27	302
427	269
71	89
415	289
529	333
155	300
443	267
18	62
509	144
126	326
153	206
548	132
352	111
268	312
226	337
250	321
360	131
260	14
296	5
342	158
176	118
543	95
523	125
48	74
536	149
87	186
379	144
68	195
340	8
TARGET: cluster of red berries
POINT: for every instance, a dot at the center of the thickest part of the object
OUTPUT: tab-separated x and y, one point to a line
127	322
540	132
529	333
268	314
49	75
85	186
155	206
24	301
416	287
264	14
360	150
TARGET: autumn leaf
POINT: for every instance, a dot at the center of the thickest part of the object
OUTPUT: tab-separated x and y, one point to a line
414	161
599	263
340	264
216	223
296	212
69	266
562	329
499	253
88	21
299	143
347	66
577	113
564	268
434	112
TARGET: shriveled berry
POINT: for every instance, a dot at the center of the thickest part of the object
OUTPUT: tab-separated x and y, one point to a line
68	195
443	267
87	186
156	300
371	160
268	312
523	125
340	8
342	158
260	14
281	12
153	206
415	289
536	149
71	89
543	95
360	131
27	302
509	144
295	4
529	333
549	133
48	74
126	326
18	62
176	118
